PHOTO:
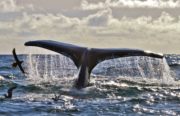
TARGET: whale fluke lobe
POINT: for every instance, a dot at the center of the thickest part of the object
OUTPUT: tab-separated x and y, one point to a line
71	51
87	58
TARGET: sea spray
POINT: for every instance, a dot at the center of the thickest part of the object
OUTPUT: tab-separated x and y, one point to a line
50	68
167	77
136	68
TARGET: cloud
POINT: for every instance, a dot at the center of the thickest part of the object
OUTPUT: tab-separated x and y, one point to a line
43	24
11	6
130	4
87	6
141	27
102	23
99	25
101	18
93	28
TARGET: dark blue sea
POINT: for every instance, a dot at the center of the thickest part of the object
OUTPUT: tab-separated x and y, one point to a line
129	86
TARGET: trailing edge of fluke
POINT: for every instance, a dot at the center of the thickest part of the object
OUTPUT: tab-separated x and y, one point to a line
87	58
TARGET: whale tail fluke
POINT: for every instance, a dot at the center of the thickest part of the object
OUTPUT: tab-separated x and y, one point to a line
87	58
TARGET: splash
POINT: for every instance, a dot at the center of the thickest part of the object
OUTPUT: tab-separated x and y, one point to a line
50	68
136	68
167	77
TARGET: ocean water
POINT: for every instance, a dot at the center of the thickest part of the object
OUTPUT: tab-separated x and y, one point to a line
130	86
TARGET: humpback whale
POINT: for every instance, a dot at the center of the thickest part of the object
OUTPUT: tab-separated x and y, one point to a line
86	59
18	62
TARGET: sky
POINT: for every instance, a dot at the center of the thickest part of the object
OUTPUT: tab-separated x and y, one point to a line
142	24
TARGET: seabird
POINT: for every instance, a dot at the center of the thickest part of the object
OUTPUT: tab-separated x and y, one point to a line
17	62
9	92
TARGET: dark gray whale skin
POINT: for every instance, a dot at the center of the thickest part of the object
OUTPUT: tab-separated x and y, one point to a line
87	58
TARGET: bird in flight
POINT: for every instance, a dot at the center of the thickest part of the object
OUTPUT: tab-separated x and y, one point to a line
17	62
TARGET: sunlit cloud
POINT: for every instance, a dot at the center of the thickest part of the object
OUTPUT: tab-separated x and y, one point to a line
130	4
100	24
